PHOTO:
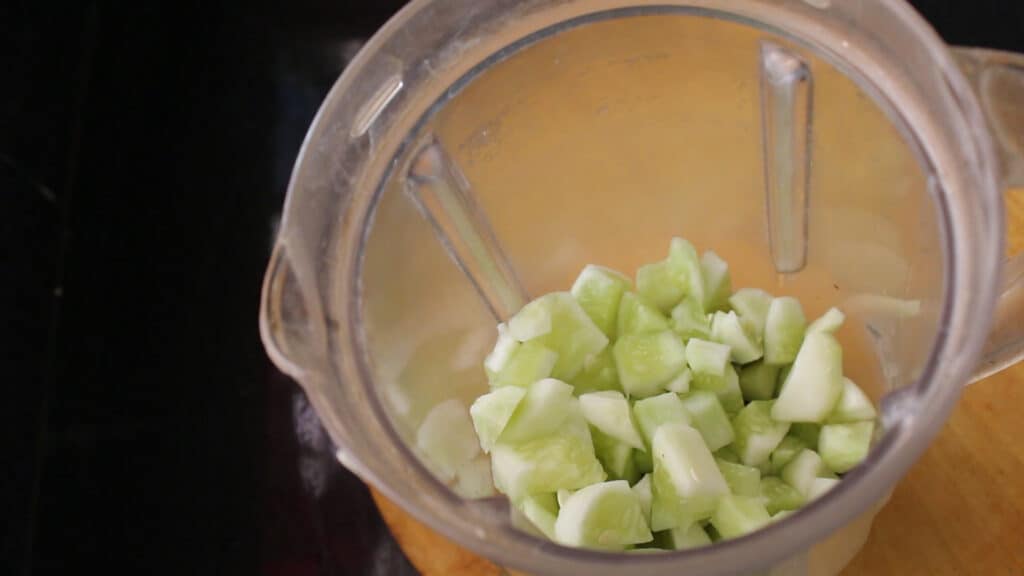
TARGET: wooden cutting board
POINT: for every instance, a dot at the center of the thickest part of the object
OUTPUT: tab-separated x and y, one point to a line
960	510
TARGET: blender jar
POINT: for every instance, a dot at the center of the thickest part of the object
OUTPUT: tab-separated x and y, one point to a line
479	153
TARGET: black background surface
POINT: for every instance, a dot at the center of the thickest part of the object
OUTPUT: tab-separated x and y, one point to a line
144	152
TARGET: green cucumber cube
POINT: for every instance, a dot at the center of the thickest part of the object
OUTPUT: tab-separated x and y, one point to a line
686	483
843	446
717	282
609	412
473	479
727	329
685	537
742	480
542	511
690	321
752	305
820	486
829	322
681	383
777	495
815	383
853	406
562	460
642	489
663	284
529	362
707	360
682	254
757	381
738	515
730	394
709	418
757	434
570	332
647	362
599	291
599	373
784	328
615	456
446	438
656	411
785	451
503	350
604	516
802	470
541	411
492	411
638	317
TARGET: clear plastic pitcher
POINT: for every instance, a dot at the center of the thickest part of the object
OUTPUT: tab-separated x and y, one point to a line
480	152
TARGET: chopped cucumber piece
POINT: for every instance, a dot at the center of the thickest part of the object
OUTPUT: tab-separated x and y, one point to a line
757	434
802	470
783	330
563	496
680	384
615	456
815	383
647	362
599	373
599	291
707	361
605	516
808	432
541	510
843	446
738	515
717	282
820	486
570	332
644	462
777	495
446	438
663	284
685	537
681	253
785	451
502	351
709	418
727	329
473	479
690	321
742	480
853	406
656	411
730	394
686	482
562	460
642	489
541	411
530	362
829	322
727	454
752	305
492	411
610	413
757	380
639	317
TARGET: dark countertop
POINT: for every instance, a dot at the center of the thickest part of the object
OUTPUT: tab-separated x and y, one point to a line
144	153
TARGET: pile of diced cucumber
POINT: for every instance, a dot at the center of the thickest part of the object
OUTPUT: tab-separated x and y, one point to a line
670	413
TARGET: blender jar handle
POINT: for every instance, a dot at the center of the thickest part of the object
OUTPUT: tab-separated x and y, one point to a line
998	80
